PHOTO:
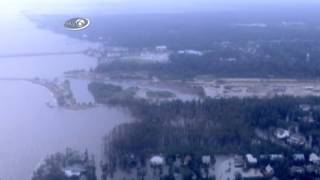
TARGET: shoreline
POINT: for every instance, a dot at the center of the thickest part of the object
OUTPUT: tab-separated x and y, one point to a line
57	93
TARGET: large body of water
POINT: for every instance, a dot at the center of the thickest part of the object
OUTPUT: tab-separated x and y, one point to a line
29	130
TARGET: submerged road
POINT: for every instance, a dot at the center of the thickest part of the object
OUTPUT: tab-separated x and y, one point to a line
21	55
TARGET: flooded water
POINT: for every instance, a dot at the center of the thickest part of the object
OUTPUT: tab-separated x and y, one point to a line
29	130
80	91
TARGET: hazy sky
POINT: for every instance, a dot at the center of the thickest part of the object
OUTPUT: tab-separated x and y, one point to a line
59	6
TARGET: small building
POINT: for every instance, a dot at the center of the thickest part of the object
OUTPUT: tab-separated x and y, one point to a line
298	158
231	59
308	119
282	133
187	160
238	161
309	88
74	171
191	52
252	174
313	170
297	171
305	107
314	158
277	158
268	171
317	171
296	139
161	48
206	159
157	161
251	160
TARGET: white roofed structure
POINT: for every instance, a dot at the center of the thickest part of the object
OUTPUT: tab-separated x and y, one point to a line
314	158
251	159
157	160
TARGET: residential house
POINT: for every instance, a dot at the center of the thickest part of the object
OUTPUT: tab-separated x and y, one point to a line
308	119
191	52
313	170
282	133
161	48
298	158
268	171
238	161
277	158
157	161
314	158
305	107
75	171
296	139
297	171
252	174
251	161
206	160
187	160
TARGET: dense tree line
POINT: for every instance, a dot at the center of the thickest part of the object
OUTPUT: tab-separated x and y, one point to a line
284	61
208	125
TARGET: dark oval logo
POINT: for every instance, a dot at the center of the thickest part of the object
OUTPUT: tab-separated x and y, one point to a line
77	24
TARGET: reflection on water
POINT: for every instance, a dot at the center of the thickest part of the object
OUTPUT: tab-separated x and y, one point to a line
80	91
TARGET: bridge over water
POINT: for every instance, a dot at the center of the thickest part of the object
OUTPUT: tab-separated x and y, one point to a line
21	55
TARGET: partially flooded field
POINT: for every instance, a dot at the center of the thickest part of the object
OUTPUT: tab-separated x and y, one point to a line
210	87
227	88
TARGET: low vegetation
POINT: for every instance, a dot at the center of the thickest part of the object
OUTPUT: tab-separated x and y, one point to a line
160	94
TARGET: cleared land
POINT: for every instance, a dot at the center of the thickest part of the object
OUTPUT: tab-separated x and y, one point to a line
227	88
